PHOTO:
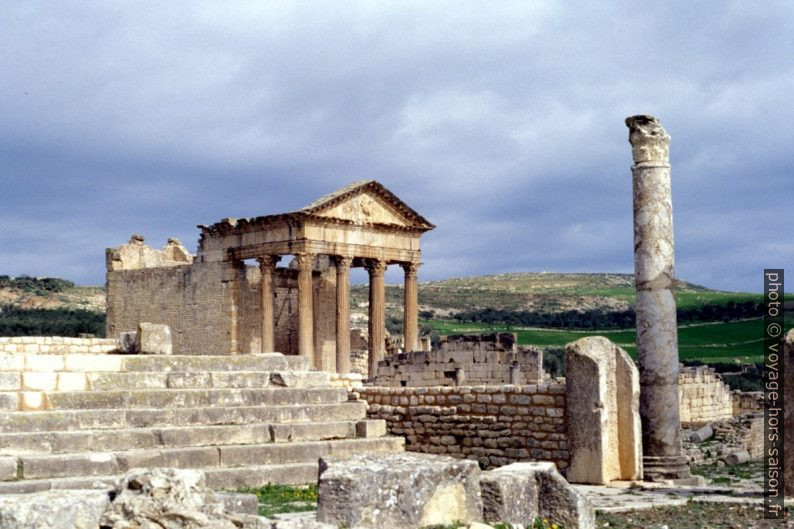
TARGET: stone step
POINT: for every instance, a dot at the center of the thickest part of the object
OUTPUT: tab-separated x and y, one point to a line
184	436
220	479
70	420
210	457
81	363
190	398
110	380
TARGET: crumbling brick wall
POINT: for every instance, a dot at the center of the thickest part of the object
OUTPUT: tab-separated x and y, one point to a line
465	359
704	397
494	425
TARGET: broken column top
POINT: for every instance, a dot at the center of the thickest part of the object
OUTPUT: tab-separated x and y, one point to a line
649	141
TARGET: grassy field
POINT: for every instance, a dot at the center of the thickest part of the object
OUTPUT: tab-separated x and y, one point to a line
736	341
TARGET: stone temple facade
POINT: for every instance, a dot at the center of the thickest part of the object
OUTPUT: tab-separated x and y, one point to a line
216	303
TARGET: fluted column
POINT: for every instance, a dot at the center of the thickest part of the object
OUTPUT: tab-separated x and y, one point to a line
343	314
657	333
377	314
267	264
305	302
411	308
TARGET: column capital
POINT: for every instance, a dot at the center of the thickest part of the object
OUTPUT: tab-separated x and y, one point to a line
304	260
650	143
268	261
375	267
411	269
342	262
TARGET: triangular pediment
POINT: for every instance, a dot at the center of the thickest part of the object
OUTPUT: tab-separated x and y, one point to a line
365	203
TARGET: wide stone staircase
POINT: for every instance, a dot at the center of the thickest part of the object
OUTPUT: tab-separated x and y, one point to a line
81	420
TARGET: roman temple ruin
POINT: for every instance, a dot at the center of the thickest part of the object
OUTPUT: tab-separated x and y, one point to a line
216	303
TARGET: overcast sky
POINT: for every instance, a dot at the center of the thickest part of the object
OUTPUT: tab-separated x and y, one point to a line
501	122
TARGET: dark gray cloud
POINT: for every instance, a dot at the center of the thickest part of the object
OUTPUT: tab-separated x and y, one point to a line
501	122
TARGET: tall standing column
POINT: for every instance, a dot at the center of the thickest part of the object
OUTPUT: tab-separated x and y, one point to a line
234	275
305	302
657	333
343	314
411	308
266	265
377	314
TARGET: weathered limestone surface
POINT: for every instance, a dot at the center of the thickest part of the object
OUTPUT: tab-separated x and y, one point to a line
166	498
62	509
788	395
657	333
398	491
602	393
522	491
153	339
377	314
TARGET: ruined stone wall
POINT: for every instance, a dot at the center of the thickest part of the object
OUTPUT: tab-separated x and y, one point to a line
56	345
494	425
747	402
465	359
194	300
187	298
703	396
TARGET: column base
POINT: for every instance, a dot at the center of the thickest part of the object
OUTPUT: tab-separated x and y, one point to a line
673	469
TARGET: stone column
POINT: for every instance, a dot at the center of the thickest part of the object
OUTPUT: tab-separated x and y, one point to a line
234	275
657	332
305	302
377	314
266	265
343	314
411	310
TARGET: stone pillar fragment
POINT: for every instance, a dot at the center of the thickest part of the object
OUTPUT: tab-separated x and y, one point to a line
343	314
377	314
603	400
411	309
266	265
305	302
657	333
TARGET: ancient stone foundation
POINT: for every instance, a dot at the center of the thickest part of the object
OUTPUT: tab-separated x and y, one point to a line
494	425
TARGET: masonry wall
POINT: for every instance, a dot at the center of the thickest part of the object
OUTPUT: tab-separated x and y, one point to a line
199	300
466	359
747	402
704	397
494	425
56	345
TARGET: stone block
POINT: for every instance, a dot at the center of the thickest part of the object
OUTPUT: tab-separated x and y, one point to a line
153	338
10	381
92	363
8	468
603	412
127	342
72	382
9	401
39	381
33	401
510	494
371	428
560	503
398	491
44	362
56	509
